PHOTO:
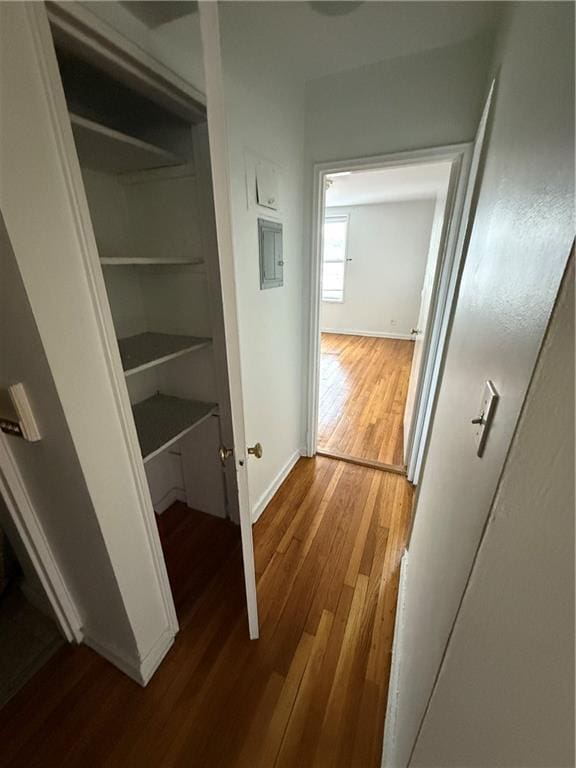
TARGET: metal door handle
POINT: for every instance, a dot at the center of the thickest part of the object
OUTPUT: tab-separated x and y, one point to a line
225	453
256	451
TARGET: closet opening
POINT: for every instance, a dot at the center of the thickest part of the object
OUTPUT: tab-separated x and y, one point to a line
145	165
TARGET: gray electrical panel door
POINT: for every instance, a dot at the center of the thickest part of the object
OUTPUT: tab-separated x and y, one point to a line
271	256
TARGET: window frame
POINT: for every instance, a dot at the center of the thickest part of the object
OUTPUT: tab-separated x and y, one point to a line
345	217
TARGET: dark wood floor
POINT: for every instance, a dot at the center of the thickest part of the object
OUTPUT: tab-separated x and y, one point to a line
363	388
310	692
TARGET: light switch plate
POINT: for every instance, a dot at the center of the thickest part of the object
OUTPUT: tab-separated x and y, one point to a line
16	415
486	414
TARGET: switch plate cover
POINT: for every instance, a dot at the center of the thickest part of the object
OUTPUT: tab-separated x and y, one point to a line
486	413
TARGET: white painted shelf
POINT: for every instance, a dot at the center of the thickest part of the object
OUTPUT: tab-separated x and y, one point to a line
161	420
103	149
145	350
135	261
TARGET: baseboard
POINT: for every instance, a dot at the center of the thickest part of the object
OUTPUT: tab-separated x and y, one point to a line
174	494
139	670
375	334
150	663
389	745
266	497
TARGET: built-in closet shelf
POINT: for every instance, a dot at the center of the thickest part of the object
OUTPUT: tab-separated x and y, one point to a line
146	350
137	261
103	149
161	420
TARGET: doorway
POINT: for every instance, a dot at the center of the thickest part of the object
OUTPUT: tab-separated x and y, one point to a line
384	247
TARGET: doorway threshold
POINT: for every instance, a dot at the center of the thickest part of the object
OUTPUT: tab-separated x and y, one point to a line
397	469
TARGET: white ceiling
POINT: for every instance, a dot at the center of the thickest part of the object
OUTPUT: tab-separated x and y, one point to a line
388	185
311	44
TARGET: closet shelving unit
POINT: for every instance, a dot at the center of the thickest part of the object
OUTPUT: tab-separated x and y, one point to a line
145	350
112	151
138	162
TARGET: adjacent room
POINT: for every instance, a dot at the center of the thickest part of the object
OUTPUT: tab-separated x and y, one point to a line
381	241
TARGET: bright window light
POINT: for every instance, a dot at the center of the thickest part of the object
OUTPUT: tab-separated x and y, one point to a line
334	258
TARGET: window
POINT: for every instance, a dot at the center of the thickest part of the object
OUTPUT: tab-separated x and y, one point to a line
334	258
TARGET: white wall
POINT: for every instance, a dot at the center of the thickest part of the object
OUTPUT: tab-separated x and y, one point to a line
505	695
410	102
388	245
518	249
265	112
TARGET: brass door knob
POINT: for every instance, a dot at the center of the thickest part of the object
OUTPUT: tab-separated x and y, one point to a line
256	451
225	453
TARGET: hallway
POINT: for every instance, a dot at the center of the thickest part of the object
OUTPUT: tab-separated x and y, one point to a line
311	692
363	387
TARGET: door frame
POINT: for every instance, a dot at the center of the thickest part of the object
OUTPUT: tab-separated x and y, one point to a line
443	291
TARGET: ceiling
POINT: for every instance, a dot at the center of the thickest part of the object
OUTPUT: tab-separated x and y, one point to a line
312	43
418	182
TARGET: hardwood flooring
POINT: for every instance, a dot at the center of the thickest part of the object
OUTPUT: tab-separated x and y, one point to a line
310	692
363	388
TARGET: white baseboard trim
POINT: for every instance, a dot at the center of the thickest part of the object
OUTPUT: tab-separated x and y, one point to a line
389	745
139	670
266	497
376	334
150	663
174	494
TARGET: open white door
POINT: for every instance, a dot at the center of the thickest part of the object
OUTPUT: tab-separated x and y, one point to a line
220	180
436	309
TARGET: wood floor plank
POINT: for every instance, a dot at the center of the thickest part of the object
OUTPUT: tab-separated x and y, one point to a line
289	753
363	387
311	692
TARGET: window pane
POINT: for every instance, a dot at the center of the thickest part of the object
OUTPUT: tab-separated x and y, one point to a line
334	240
333	281
334	259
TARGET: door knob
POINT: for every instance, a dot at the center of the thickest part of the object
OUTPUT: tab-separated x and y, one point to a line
225	453
415	331
256	451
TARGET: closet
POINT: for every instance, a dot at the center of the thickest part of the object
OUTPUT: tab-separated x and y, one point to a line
144	159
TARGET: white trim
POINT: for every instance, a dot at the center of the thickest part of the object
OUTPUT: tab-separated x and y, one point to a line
375	334
389	745
88	254
459	156
268	494
29	529
174	494
141	671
